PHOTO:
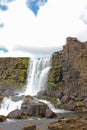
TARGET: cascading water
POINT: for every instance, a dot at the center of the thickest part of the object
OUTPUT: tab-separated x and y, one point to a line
37	78
38	73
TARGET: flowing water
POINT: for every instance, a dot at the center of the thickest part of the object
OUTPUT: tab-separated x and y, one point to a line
36	81
37	75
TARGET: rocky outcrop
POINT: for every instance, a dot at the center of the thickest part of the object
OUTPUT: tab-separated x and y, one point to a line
32	107
73	123
13	73
68	76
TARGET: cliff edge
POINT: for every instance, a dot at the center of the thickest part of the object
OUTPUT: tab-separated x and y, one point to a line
68	76
13	73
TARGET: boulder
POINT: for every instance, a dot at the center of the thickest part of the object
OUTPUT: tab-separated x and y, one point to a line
2	118
29	126
17	114
34	109
50	114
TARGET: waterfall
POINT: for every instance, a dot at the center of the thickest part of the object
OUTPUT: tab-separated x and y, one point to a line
37	75
36	81
9	105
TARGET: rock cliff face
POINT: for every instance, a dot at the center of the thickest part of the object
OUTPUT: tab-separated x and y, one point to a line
68	75
13	73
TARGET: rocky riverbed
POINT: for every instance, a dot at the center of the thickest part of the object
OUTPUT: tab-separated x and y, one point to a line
65	121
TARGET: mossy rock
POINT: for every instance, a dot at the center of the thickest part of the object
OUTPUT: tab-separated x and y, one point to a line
1	98
13	71
54	74
55	58
29	126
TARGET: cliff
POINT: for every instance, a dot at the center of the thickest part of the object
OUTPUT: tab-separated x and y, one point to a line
68	76
13	73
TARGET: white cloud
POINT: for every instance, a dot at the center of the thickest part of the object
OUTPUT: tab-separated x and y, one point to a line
55	21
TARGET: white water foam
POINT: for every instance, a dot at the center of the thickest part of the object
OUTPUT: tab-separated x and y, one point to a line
51	106
8	105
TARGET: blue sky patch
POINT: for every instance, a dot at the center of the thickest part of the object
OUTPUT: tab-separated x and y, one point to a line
3	4
3	7
3	49
34	5
1	25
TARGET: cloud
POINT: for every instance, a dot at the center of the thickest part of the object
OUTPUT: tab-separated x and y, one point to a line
55	21
83	16
38	51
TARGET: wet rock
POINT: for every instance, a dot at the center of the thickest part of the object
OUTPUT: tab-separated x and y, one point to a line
34	108
1	98
50	114
2	118
16	114
29	126
72	123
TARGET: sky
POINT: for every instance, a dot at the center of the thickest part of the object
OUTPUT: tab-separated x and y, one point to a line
40	26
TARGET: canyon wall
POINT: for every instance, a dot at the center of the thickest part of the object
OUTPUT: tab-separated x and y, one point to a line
13	73
68	76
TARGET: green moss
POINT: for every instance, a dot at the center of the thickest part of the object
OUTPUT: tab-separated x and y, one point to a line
55	58
22	75
52	84
14	71
26	62
53	73
8	80
80	104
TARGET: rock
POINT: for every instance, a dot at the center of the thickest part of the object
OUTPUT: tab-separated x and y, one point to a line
2	118
29	126
68	74
70	105
50	114
17	114
55	126
65	99
72	123
34	108
13	74
1	98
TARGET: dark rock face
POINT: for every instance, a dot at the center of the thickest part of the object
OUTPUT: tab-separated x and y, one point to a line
2	118
32	107
13	73
50	114
68	75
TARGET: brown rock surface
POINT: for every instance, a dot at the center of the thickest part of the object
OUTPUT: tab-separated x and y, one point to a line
29	126
68	75
2	118
13	73
74	123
